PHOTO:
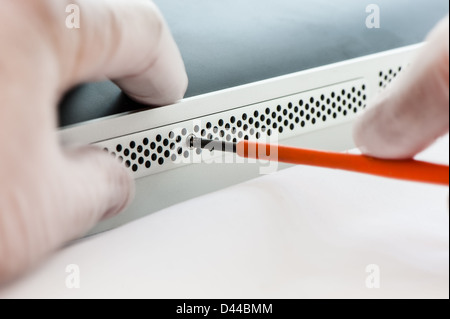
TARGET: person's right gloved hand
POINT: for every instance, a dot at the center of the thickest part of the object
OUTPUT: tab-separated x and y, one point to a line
49	194
414	111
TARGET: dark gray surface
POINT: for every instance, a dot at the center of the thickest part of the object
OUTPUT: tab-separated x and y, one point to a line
226	43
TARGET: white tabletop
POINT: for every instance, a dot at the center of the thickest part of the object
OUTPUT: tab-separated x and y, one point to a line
302	232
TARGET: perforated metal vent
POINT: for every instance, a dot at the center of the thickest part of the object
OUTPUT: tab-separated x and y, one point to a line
387	76
164	148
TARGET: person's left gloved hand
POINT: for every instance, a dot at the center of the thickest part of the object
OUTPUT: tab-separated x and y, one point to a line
50	195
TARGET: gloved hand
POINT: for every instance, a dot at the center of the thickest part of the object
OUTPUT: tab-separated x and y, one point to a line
414	111
50	195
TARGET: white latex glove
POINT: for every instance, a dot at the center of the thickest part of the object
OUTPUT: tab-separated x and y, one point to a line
49	195
414	111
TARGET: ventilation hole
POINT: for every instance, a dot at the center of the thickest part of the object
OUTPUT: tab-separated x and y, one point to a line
178	139
208	125
244	117
148	164
126	152
120	159
267	111
186	154
146	153
141	160
183	132
220	122
154	157
133	156
180	151
203	133
173	146
160	149
153	145
127	164
135	168
251	121
159	138
119	148
161	161
256	114
227	126
303	124
196	130
167	154
140	149
132	145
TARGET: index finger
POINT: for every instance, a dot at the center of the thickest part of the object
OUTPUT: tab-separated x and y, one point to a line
129	42
414	112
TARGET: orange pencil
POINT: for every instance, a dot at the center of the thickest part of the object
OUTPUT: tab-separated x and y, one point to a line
410	170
